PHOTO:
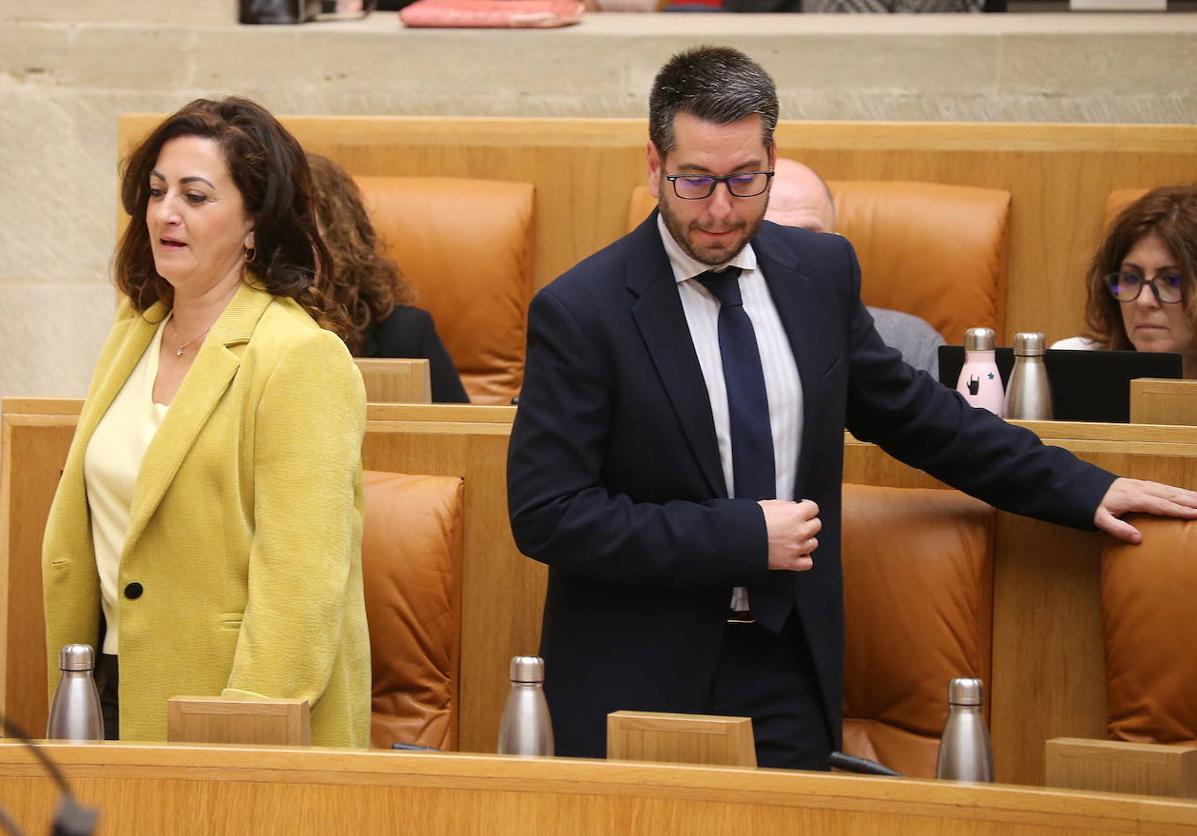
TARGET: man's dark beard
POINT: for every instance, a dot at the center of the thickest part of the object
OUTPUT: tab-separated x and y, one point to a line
678	232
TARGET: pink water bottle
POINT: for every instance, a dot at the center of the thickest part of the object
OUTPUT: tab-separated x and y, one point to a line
979	382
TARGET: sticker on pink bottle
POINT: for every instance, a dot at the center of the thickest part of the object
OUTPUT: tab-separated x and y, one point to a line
980	383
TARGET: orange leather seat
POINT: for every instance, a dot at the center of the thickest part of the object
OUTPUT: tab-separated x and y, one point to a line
411	571
918	606
465	246
928	249
1150	625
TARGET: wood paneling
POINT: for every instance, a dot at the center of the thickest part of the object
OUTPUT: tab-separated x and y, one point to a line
34	439
680	738
1048	670
215	720
392	380
194	790
1048	658
584	171
501	590
1121	766
1154	401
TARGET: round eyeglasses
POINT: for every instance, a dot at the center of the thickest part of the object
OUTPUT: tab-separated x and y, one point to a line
698	186
1126	286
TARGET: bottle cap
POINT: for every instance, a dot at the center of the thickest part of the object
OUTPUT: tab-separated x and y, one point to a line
965	692
76	657
979	339
527	669
1029	344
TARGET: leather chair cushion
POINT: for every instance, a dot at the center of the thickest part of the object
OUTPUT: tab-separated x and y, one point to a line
1150	624
918	604
411	570
465	246
928	249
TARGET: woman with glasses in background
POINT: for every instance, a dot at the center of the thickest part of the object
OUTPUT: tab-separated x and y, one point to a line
1142	281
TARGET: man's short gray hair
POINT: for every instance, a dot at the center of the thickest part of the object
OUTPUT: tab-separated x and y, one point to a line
715	84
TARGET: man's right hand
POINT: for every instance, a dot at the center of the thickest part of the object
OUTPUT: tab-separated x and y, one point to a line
791	528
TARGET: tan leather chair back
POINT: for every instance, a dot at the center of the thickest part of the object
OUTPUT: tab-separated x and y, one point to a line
1118	200
639	206
928	249
465	246
411	570
1150	623
918	602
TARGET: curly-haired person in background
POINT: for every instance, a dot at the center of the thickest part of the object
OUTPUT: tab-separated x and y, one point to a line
367	289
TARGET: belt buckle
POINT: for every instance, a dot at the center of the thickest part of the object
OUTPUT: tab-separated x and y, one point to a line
738	611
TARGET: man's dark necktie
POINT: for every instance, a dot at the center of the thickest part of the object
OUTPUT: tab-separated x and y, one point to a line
753	470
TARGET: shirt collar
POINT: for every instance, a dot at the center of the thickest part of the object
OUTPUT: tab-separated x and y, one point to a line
686	268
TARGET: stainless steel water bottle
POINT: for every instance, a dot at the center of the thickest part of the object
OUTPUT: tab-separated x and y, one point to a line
964	752
526	728
75	712
1029	396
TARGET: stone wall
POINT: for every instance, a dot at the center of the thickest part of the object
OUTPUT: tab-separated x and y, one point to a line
63	83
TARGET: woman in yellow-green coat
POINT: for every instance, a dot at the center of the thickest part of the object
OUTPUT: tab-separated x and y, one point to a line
206	533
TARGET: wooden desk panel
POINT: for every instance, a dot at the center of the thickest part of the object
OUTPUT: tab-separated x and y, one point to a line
501	590
395	380
1155	401
1047	655
204	790
34	438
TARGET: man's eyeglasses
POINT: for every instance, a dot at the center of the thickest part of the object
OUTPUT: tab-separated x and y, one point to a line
1127	286
698	186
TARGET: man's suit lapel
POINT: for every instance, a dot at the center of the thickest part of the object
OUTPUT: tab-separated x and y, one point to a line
796	298
658	312
193	404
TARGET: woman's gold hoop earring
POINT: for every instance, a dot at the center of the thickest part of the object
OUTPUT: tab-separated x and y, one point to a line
249	254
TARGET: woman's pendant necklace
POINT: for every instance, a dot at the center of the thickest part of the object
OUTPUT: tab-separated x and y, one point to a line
181	348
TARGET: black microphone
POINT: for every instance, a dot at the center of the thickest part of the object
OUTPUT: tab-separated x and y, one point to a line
861	766
71	818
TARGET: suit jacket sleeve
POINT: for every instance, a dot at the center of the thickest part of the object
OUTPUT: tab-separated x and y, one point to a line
927	425
307	441
562	511
410	332
446	384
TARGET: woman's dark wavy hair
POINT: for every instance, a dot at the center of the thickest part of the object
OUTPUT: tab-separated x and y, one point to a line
1171	213
364	285
269	169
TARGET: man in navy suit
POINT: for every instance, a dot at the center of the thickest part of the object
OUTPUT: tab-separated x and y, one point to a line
677	454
